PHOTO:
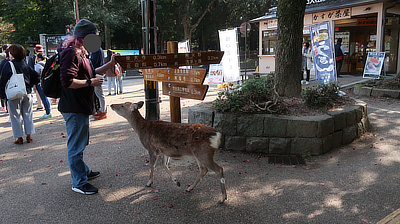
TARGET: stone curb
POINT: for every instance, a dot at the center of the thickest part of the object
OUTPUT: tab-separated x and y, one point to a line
271	134
370	91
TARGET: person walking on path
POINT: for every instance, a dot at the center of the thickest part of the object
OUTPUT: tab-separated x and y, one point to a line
32	62
339	54
40	58
76	101
21	107
120	73
307	56
111	75
97	59
6	59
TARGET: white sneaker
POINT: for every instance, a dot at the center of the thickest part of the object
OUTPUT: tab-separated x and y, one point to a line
307	83
44	116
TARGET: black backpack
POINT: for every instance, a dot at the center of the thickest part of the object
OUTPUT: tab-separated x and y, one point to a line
50	79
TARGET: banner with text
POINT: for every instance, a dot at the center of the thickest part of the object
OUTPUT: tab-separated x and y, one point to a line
323	52
230	60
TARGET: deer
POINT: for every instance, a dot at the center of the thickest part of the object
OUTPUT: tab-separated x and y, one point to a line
175	140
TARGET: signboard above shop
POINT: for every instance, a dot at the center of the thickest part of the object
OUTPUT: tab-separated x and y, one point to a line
331	15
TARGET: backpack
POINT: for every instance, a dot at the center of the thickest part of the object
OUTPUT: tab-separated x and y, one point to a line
50	78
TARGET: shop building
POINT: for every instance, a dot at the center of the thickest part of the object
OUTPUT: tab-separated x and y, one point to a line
364	25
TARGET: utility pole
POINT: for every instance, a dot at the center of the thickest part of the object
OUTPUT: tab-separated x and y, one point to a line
149	36
76	10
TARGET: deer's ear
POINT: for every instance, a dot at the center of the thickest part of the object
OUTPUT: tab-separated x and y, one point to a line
133	107
140	104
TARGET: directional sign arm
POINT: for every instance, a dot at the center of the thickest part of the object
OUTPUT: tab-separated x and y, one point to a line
131	62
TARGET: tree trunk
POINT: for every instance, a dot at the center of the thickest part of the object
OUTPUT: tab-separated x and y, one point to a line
107	37
288	59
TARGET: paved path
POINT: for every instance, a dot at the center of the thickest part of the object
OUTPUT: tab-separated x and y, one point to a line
357	183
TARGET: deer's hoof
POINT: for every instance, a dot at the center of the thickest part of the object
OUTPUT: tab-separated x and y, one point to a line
178	184
187	191
220	202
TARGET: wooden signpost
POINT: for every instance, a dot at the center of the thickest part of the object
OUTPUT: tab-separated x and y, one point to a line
176	82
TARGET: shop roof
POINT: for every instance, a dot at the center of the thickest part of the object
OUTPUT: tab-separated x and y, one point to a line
322	6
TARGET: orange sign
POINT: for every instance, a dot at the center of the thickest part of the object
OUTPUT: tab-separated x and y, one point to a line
190	76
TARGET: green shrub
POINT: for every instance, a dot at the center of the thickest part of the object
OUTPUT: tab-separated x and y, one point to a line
322	96
247	97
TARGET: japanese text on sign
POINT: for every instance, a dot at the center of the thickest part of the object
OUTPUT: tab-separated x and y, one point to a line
331	15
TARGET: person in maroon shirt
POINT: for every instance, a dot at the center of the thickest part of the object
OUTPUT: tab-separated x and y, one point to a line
76	102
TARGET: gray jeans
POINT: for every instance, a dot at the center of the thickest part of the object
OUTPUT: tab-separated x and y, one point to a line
21	108
98	90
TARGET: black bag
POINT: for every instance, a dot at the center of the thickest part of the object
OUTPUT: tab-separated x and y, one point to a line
50	79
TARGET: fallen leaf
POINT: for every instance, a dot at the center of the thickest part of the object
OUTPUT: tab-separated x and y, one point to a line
170	206
48	166
43	183
179	209
323	184
117	175
155	198
61	161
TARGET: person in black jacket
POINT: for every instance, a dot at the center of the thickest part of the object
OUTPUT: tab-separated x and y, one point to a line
339	56
21	106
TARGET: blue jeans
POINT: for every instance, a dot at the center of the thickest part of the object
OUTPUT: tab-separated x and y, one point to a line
44	99
77	126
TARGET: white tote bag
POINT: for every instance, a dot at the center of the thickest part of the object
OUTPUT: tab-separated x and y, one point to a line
15	87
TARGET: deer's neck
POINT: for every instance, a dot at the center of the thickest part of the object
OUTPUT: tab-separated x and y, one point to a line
136	120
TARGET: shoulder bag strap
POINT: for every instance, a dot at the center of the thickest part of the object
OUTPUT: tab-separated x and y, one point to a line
12	68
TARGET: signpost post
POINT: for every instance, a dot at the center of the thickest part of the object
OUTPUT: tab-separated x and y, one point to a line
176	82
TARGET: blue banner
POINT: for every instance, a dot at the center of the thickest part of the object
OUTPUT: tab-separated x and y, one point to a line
323	52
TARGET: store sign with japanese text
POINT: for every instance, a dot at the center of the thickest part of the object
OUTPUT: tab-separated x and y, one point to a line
331	15
309	2
322	50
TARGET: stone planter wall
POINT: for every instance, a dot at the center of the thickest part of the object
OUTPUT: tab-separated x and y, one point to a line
286	135
370	91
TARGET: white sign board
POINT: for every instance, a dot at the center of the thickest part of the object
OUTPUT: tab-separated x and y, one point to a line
230	60
214	76
374	64
183	47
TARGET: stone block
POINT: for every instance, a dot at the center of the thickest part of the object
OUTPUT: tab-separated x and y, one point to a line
366	124
279	146
350	116
327	143
339	119
349	134
306	146
326	125
250	125
226	123
359	113
385	93
275	126
235	143
362	90
200	115
337	139
360	129
302	127
257	144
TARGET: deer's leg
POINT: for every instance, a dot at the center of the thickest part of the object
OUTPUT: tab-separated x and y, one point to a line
165	163
208	161
203	171
153	159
